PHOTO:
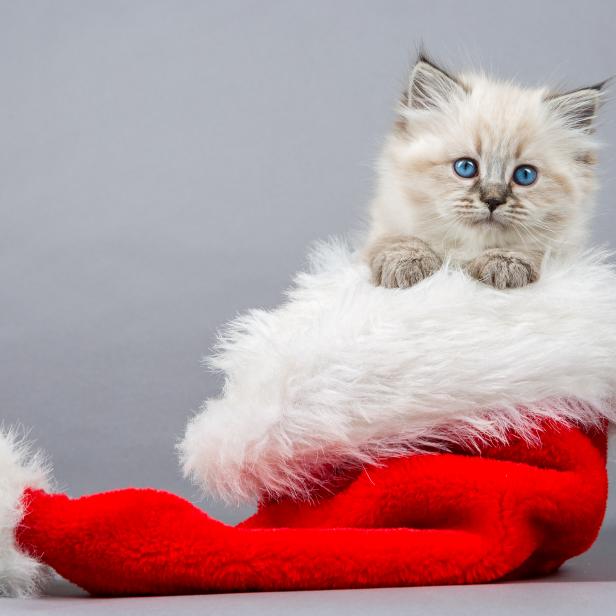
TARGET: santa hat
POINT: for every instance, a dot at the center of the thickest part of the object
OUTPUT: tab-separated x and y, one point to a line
388	438
514	511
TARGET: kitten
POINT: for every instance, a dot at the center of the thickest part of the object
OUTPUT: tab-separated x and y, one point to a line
485	173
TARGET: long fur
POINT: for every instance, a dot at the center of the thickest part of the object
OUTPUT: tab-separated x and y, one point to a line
345	373
20	468
500	125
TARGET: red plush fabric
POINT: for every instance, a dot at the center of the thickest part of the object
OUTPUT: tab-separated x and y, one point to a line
513	511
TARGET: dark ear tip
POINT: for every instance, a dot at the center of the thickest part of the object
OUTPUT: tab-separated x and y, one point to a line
424	56
601	85
597	87
606	84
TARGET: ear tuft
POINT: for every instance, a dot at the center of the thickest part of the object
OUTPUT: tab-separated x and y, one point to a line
578	108
430	87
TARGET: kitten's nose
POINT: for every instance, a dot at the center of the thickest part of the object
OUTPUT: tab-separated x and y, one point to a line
493	202
493	195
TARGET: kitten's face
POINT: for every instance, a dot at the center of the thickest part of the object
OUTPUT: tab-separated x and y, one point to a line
492	164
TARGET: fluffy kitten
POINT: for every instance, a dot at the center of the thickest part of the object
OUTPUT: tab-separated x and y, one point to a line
485	173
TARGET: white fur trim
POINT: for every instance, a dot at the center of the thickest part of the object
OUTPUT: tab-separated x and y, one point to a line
20	468
344	372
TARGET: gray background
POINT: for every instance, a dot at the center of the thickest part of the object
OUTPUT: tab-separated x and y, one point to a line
164	165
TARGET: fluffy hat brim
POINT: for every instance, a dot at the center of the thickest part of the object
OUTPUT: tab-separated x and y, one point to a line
345	372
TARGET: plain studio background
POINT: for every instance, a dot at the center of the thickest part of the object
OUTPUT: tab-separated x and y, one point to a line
164	165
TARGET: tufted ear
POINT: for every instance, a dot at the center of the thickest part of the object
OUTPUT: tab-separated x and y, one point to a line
577	109
430	87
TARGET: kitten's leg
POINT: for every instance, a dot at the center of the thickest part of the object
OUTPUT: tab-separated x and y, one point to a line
505	269
401	261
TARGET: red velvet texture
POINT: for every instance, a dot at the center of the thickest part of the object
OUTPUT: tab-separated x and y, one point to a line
513	511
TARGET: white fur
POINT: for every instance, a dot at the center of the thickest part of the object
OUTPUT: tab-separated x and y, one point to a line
20	468
346	372
501	126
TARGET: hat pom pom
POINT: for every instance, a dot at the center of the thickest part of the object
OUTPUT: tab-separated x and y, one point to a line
21	467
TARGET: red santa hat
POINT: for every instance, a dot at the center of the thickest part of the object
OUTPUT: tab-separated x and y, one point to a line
450	433
515	510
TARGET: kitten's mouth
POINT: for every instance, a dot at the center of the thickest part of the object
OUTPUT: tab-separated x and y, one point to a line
488	221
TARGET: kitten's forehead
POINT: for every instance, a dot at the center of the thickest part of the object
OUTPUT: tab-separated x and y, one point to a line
502	119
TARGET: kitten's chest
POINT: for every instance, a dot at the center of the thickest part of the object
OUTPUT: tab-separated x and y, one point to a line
462	250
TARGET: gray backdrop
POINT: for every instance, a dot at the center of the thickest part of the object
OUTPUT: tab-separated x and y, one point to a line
164	165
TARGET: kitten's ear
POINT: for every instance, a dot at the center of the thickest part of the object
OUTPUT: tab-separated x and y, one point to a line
577	109
430	87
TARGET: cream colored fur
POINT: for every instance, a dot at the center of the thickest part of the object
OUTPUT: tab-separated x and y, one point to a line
346	372
500	125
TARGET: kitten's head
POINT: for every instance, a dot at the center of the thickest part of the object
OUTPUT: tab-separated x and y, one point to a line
488	163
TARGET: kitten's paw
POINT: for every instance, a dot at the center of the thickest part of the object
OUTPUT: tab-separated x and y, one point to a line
403	263
503	269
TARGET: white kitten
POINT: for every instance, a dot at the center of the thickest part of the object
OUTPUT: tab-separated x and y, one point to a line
485	173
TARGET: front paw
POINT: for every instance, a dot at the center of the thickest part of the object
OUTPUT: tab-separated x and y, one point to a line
404	263
503	269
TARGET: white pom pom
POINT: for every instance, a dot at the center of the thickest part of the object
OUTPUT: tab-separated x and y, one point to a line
20	468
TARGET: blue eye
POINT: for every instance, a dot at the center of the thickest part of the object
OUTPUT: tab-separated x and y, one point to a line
525	175
466	167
